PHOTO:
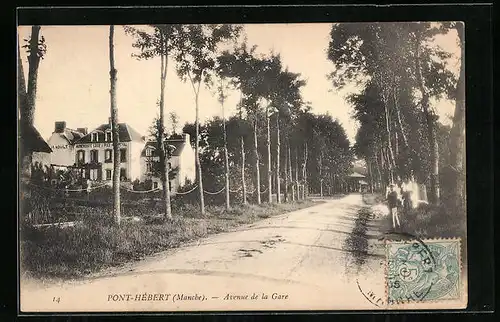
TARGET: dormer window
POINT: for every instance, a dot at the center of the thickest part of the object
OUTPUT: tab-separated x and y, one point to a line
149	152
109	135
94	137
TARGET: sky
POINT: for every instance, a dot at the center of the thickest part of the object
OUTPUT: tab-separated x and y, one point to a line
73	79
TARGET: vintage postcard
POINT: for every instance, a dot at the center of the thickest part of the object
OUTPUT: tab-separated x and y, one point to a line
312	166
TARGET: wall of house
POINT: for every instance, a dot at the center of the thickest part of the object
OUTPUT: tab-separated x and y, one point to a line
101	148
144	175
134	157
188	162
62	151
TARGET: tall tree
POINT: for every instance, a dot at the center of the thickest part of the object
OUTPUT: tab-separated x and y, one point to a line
236	66
406	68
457	135
430	119
174	121
159	41
195	56
114	127
222	97
21	89
36	50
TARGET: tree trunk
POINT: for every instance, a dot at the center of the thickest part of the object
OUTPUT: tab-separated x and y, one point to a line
398	116
114	128
278	179
389	145
197	155
243	184
21	90
297	173
25	115
242	145
34	61
257	161
431	130
286	175
226	156
304	172
269	171
457	133
368	163
165	180
320	174
290	172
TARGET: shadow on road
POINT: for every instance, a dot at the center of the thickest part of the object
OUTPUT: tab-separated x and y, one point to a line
356	244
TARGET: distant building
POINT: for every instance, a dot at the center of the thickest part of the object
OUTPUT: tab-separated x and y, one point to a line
62	143
94	153
356	182
182	159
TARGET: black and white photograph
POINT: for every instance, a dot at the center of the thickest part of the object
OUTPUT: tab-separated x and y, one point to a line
242	167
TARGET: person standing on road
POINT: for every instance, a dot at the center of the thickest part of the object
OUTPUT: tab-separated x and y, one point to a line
393	202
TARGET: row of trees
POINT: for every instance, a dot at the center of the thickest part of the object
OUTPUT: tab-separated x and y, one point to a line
270	98
313	156
402	71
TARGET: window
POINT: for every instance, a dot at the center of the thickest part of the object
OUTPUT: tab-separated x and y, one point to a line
149	166
170	186
94	156
123	155
94	173
94	137
107	155
80	156
109	135
108	174
155	185
123	173
149	152
169	166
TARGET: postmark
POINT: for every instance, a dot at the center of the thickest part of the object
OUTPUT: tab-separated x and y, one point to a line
423	270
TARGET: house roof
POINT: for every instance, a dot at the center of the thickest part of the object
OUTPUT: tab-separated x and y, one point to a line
31	140
176	145
125	132
356	175
72	135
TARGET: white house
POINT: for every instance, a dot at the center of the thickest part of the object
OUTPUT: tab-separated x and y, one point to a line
182	158
94	152
62	143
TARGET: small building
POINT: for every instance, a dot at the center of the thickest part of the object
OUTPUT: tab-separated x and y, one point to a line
356	182
62	143
94	153
181	162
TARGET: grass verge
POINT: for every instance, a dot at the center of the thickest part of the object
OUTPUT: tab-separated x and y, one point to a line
96	244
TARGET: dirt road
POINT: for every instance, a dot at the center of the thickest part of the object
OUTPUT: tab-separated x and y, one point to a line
324	257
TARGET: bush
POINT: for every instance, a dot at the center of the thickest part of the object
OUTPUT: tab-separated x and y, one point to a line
428	221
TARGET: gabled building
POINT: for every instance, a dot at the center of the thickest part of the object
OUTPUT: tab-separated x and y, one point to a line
94	152
181	162
62	143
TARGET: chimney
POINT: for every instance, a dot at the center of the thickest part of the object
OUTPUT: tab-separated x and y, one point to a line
109	121
59	127
82	130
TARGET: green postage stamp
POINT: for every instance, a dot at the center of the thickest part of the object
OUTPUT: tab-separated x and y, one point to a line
423	270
